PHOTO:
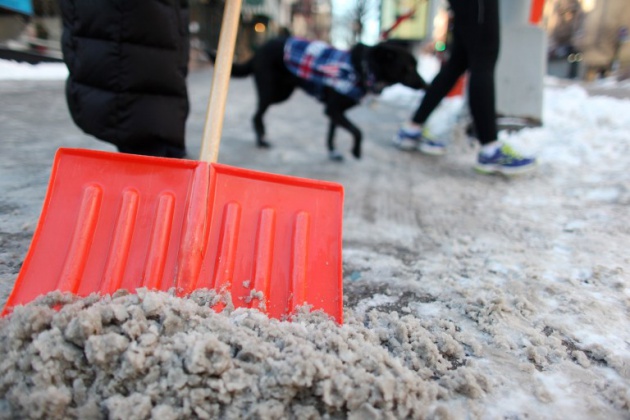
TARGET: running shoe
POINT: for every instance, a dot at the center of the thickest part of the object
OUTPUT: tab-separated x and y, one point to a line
506	161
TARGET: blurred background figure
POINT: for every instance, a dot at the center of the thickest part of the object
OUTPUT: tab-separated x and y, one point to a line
588	39
128	63
564	19
602	38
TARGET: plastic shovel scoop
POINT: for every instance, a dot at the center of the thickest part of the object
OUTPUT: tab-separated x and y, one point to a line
114	221
274	242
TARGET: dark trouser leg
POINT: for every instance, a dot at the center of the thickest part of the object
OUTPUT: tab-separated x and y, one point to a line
481	98
482	45
450	72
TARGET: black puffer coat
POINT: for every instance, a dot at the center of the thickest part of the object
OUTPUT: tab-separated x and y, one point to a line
128	65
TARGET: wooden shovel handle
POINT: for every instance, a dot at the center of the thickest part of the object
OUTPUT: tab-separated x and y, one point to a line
220	81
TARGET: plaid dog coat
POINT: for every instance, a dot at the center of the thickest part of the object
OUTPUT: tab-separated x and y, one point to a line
317	64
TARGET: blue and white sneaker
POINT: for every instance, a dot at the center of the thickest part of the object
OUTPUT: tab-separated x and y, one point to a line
505	161
419	140
429	145
407	139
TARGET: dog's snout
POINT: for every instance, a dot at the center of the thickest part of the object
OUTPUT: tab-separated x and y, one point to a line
414	81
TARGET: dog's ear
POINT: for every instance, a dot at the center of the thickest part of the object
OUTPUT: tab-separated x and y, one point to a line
395	64
384	52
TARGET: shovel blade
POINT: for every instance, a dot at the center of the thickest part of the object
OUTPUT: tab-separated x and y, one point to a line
115	221
274	242
112	221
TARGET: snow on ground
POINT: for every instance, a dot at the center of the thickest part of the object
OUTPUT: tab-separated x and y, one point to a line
498	298
12	70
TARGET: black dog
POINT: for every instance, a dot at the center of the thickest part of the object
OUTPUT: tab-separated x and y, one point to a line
337	78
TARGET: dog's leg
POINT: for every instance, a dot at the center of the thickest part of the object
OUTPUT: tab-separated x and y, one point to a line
336	106
340	119
259	126
355	132
332	153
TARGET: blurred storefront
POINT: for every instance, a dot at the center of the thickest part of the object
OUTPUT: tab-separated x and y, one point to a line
311	19
34	26
30	30
262	20
405	20
588	38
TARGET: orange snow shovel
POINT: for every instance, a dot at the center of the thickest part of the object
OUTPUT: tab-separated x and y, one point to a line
114	221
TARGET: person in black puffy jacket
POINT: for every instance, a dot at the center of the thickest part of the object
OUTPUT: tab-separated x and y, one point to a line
128	62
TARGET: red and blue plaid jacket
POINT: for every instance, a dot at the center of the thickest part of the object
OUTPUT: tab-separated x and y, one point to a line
317	64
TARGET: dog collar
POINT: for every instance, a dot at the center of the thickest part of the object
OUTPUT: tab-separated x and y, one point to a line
368	77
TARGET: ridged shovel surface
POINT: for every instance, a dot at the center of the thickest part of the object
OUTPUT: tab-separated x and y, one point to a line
110	221
274	241
114	221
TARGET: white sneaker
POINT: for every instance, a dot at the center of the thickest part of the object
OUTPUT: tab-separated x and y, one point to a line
431	146
406	140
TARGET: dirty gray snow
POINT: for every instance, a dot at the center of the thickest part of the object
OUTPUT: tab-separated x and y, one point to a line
155	355
465	296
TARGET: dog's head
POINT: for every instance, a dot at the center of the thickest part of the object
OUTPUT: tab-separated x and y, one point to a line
390	64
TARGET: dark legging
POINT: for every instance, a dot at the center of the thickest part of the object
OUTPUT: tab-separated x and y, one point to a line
475	47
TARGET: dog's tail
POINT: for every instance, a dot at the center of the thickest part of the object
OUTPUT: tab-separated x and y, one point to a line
238	69
243	69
